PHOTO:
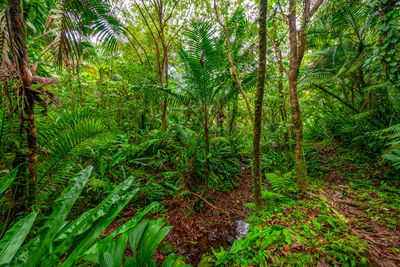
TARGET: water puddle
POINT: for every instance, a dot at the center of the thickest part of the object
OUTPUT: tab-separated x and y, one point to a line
242	228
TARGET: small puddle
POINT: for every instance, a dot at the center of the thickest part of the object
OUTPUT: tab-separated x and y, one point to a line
242	228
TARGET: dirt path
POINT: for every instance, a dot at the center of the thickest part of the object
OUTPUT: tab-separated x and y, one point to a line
196	230
198	227
361	208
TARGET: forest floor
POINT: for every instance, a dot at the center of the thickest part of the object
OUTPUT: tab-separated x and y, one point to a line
198	226
370	206
347	214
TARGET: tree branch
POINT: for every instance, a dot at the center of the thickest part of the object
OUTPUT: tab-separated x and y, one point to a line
234	74
336	97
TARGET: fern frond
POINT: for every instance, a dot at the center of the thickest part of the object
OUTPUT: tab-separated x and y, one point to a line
68	138
281	184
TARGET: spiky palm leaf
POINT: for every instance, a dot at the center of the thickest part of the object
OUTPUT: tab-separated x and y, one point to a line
70	23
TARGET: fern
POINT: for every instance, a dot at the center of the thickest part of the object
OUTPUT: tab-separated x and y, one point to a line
392	153
281	184
67	138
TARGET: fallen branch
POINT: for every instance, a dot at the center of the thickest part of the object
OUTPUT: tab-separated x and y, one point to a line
205	201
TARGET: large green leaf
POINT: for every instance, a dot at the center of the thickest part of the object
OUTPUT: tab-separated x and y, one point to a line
93	253
85	240
6	181
113	255
152	237
76	231
170	261
136	235
62	207
14	238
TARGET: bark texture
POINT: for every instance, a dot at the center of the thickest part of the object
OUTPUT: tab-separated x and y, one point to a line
20	52
259	104
297	40
207	143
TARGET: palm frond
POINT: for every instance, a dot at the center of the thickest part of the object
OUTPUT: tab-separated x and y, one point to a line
67	138
74	21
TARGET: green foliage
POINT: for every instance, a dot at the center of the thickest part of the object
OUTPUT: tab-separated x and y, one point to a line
67	138
284	184
56	236
392	153
109	118
255	248
14	238
143	239
300	233
7	179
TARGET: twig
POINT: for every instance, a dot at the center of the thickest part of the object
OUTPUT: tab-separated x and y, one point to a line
312	69
208	203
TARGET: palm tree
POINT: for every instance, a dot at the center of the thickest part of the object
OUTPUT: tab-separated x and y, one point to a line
78	19
202	67
203	79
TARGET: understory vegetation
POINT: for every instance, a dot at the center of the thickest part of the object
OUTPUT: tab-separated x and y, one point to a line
199	133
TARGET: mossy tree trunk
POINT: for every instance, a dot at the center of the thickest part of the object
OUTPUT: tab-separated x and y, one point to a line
258	104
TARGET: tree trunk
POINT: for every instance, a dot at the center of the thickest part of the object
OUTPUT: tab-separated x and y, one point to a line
164	102
258	104
207	143
295	60
165	65
233	116
20	51
282	107
299	160
164	114
71	87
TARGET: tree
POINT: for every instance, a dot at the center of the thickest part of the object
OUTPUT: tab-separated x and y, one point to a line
232	64
20	70
161	20
28	88
203	68
297	45
262	46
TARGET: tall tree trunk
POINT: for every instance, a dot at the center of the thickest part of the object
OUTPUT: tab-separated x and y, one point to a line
232	117
164	114
258	104
71	87
282	107
164	102
20	52
295	60
165	63
207	143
